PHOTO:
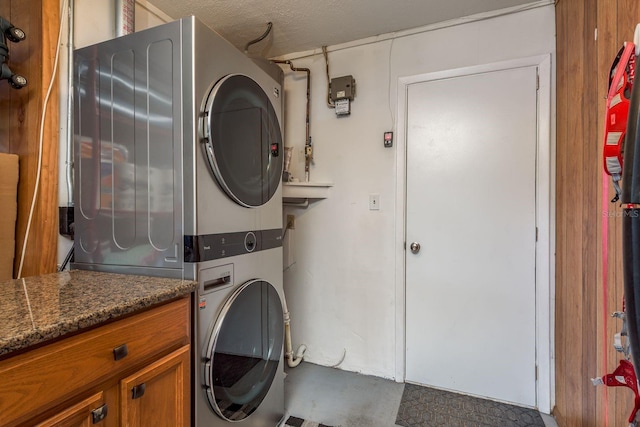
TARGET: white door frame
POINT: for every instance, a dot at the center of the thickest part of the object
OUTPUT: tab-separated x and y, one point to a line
545	215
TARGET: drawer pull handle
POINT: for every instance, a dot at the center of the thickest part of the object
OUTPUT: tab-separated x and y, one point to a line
217	282
99	414
120	352
138	391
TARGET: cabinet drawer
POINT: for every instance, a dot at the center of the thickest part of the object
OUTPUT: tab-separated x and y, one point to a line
42	378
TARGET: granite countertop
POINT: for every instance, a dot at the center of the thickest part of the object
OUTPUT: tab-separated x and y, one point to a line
40	308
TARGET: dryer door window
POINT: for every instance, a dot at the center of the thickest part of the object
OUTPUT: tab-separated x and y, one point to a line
243	142
244	350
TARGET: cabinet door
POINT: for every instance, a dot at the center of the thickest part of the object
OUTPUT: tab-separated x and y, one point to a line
78	415
158	395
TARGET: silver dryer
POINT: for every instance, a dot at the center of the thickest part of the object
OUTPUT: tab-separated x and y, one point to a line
178	152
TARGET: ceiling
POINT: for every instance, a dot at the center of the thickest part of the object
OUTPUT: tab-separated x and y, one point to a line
301	25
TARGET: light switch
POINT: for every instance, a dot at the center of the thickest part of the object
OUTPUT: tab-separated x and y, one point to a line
374	202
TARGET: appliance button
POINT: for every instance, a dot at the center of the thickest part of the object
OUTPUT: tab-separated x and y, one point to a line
250	242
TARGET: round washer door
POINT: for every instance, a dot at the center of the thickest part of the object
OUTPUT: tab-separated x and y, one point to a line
244	350
243	141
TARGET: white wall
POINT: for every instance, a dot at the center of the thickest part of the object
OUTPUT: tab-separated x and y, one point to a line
341	286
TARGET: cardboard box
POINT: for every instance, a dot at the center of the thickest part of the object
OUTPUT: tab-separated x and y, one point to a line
9	204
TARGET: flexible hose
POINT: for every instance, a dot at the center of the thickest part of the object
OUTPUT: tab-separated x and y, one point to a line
259	39
66	260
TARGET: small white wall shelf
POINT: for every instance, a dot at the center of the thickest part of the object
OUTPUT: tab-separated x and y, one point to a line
302	193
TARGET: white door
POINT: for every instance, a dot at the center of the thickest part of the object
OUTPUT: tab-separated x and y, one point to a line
471	186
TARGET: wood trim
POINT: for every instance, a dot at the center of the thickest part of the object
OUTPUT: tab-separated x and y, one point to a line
561	207
20	129
574	200
591	220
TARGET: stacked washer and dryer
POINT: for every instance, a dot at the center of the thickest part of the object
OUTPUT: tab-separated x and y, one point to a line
178	165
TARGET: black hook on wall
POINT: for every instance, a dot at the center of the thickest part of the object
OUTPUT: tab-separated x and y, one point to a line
14	34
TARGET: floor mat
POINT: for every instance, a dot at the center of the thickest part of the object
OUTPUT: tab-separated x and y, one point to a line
299	422
428	407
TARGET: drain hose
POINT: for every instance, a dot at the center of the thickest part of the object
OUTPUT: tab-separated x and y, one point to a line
292	360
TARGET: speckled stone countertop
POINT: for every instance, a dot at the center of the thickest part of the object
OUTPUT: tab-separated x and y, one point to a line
37	309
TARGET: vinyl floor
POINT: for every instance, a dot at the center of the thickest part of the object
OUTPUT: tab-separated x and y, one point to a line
345	399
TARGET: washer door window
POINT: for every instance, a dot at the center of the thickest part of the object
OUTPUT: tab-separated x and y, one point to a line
244	350
243	140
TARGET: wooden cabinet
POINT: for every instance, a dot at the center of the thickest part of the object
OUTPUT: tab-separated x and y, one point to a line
158	394
134	371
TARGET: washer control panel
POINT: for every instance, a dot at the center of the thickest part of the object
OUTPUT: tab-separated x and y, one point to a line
215	246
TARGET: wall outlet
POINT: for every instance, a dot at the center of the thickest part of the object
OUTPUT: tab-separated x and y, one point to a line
291	222
65	221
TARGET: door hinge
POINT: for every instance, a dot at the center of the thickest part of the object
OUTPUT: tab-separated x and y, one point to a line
536	372
537	81
536	234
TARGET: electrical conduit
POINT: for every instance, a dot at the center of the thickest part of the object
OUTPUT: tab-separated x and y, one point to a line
308	149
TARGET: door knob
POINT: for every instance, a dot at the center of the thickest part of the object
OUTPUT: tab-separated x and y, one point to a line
415	247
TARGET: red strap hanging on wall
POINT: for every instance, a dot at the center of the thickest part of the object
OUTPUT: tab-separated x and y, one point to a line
624	376
621	79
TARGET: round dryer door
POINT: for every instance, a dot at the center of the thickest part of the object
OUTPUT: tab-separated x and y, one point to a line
244	350
243	141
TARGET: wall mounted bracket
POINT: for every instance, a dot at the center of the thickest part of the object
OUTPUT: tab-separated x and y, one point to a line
15	35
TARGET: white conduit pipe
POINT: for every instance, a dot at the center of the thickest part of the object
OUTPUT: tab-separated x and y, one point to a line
69	142
292	361
125	17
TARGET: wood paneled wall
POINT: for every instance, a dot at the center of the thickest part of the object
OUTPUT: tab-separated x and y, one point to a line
20	121
583	64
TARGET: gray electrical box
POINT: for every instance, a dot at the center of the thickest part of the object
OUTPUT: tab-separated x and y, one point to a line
343	88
